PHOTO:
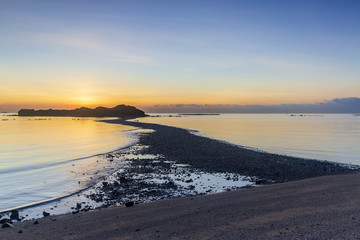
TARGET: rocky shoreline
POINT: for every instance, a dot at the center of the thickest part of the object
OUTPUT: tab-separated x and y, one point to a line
172	162
211	155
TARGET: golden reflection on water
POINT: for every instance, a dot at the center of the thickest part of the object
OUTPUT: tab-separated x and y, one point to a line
48	157
35	139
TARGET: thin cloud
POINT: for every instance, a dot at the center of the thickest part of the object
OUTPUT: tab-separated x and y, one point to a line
337	105
87	42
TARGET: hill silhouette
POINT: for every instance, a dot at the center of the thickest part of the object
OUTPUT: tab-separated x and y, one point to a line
122	111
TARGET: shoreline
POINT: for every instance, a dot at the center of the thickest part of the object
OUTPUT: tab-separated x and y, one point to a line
215	155
317	208
161	147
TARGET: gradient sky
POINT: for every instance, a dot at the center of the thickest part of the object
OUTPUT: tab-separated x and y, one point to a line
66	54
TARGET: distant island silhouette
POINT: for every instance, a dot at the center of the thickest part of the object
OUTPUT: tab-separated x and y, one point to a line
121	111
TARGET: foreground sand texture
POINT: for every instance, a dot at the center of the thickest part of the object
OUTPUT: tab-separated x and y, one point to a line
318	208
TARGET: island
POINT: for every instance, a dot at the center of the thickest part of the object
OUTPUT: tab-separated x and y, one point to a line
121	111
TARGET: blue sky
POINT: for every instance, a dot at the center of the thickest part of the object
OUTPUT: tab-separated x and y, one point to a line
146	53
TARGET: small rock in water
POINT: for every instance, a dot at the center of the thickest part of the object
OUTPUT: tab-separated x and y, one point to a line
78	205
46	214
20	231
14	214
36	222
129	204
7	225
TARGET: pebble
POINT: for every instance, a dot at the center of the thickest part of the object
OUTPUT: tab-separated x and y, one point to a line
129	204
7	225
14	214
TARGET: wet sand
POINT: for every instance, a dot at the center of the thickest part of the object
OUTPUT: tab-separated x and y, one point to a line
318	208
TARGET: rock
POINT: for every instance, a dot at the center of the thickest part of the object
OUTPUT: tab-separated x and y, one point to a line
36	222
46	214
123	179
14	214
129	204
20	231
78	205
5	220
189	181
7	225
261	182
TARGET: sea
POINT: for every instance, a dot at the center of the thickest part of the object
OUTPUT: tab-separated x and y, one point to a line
48	158
44	158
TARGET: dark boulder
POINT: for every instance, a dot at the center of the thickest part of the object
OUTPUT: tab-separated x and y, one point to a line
5	220
129	204
7	225
14	215
78	206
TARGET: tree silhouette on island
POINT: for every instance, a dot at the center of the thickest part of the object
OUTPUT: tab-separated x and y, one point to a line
121	111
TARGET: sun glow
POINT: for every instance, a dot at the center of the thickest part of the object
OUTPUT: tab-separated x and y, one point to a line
84	100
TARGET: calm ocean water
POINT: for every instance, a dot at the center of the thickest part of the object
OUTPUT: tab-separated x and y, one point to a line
48	157
332	137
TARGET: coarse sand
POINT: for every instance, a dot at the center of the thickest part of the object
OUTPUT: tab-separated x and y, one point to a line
326	207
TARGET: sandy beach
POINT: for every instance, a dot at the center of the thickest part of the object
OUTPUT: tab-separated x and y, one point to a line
317	208
293	198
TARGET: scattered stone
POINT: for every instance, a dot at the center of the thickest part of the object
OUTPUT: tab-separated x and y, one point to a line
36	222
14	215
5	220
46	214
261	182
7	225
129	204
20	231
189	180
78	206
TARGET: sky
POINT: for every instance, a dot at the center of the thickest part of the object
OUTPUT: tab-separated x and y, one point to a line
163	55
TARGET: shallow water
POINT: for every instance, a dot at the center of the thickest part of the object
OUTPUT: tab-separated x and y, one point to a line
333	137
48	157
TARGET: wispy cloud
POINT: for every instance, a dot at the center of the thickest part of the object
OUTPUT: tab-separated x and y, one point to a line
92	43
337	105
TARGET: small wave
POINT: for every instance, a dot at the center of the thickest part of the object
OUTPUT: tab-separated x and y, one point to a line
58	163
